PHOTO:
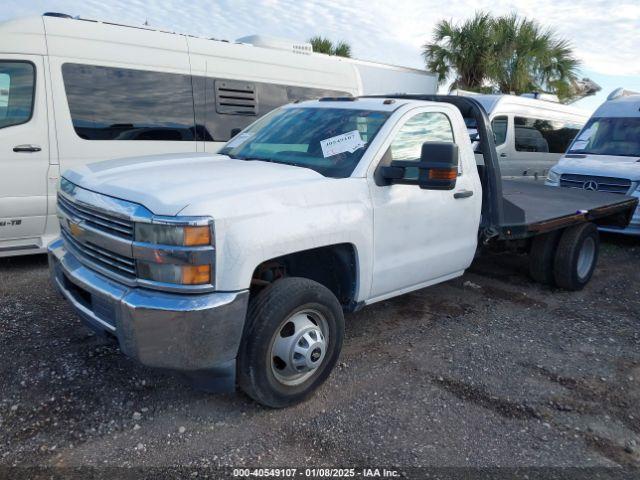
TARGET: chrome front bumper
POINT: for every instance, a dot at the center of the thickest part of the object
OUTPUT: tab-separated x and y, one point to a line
197	334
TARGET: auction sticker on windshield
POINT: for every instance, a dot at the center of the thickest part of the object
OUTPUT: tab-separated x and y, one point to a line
347	142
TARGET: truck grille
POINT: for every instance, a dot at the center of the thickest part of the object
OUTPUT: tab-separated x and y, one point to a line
596	183
101	257
98	219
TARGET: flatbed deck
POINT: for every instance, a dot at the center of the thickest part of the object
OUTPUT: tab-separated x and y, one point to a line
530	208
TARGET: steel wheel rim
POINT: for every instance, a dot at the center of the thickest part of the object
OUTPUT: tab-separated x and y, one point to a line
299	346
586	257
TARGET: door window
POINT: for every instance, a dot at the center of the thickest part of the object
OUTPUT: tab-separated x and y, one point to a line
423	127
499	126
17	82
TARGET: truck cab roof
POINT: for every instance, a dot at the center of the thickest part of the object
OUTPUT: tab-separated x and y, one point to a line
358	103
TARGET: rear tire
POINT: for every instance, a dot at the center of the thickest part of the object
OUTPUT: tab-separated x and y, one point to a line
291	343
541	257
576	256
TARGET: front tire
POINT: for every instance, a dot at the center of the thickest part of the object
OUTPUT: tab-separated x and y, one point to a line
291	343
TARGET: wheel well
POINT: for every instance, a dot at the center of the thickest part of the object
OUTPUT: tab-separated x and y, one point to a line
333	266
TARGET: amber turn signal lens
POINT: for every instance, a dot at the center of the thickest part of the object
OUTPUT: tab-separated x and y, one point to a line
443	174
194	236
196	274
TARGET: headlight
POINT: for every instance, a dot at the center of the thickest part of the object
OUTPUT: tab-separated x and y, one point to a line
166	234
178	274
553	176
175	253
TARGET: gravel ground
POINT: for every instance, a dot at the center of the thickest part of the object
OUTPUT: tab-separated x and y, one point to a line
487	370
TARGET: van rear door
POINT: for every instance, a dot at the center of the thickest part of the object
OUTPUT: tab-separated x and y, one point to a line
24	151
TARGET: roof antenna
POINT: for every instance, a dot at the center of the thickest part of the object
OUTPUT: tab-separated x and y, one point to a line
146	22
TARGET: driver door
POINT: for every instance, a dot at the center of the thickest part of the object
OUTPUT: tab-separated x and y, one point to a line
422	236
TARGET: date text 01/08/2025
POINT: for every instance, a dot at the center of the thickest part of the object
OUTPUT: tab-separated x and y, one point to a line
316	472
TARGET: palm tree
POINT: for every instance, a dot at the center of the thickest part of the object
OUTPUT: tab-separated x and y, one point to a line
528	58
462	50
507	54
324	45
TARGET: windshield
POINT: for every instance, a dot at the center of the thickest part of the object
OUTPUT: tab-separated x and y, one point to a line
609	136
330	141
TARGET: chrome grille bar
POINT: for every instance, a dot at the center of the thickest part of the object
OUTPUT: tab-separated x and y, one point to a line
122	265
601	184
99	220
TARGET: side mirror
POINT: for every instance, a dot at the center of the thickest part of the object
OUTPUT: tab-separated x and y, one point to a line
234	132
436	170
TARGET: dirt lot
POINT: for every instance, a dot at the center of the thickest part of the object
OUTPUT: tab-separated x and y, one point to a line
487	370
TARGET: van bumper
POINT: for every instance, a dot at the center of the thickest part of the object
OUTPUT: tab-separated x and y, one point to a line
634	225
198	335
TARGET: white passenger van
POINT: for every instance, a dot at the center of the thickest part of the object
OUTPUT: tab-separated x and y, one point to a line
605	156
75	91
530	133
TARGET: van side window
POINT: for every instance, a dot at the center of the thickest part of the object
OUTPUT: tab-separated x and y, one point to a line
17	82
546	136
499	127
423	127
218	113
124	104
109	103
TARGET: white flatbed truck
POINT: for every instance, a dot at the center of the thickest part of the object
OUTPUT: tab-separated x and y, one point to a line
237	268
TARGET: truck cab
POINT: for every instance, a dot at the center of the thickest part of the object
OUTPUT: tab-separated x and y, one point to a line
240	266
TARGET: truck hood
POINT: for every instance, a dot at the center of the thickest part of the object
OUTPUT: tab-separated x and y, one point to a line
167	184
601	165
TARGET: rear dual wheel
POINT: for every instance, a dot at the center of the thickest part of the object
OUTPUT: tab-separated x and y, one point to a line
566	258
576	256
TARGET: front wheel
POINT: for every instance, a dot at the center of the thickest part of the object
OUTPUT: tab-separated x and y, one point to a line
291	342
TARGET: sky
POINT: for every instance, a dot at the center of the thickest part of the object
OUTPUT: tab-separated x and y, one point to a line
604	33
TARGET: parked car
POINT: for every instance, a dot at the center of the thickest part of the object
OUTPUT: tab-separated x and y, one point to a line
240	266
75	91
530	134
605	156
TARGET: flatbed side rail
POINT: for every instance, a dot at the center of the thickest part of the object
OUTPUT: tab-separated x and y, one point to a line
618	214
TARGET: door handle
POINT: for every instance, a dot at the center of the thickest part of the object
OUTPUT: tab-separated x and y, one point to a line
463	194
26	148
503	155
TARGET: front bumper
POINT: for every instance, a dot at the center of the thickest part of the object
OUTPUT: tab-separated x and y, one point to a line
197	334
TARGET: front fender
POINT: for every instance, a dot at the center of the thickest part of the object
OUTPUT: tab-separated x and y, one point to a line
263	227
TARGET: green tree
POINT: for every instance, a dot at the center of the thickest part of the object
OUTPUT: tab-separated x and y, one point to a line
507	54
528	58
324	45
461	50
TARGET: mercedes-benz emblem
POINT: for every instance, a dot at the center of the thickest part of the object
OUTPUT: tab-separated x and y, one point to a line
590	185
